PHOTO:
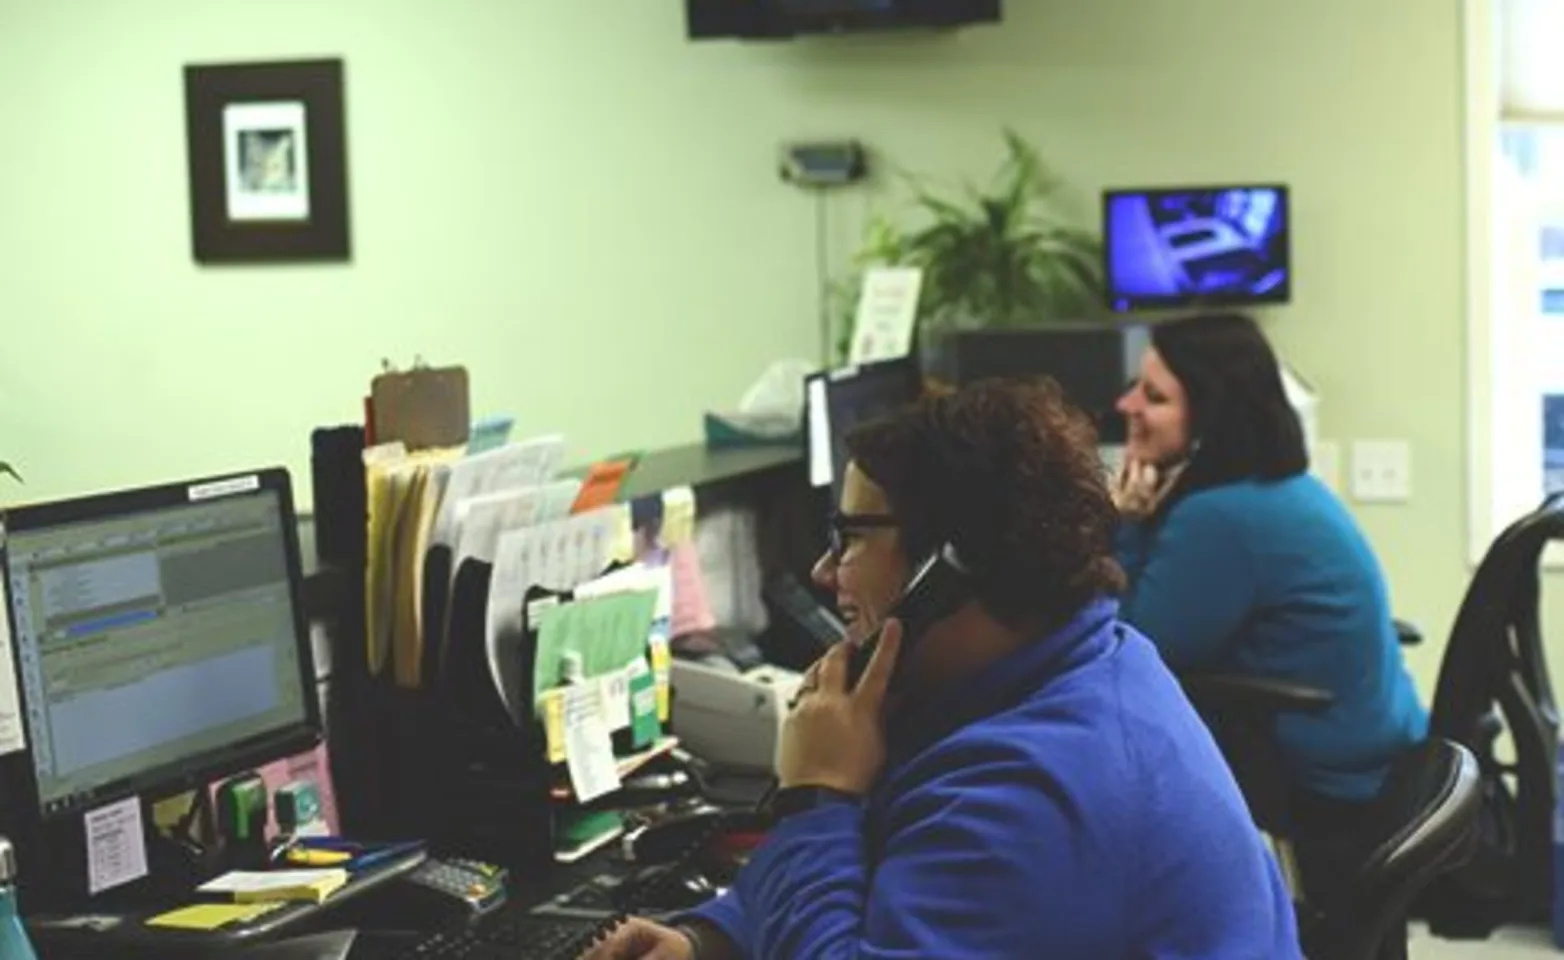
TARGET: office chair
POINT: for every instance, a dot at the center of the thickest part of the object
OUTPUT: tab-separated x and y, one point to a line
1494	681
1241	712
1426	816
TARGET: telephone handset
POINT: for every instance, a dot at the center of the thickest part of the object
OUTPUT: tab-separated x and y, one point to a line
940	586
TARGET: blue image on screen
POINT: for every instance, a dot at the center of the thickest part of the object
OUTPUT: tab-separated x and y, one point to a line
1172	247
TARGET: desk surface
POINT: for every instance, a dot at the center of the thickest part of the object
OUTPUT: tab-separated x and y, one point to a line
696	465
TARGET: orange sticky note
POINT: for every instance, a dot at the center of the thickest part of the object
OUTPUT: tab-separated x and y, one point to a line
601	486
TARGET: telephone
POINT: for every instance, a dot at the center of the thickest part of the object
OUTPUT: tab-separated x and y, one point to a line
939	587
802	628
676	863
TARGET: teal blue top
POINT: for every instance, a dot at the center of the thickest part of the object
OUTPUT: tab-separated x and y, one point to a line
1275	579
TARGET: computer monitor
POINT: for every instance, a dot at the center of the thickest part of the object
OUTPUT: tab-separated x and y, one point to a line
839	400
1093	362
159	638
1197	246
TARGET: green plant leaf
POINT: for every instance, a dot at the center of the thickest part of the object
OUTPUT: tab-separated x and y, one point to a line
9	471
994	257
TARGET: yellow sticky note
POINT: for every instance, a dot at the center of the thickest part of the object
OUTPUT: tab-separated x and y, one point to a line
662	670
678	516
210	916
552	706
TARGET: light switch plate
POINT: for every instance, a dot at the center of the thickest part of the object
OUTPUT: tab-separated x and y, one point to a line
1382	471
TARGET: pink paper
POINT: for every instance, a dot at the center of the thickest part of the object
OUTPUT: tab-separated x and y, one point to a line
314	766
691	606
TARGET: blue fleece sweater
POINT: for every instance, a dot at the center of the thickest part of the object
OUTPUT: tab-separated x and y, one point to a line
1275	580
1067	803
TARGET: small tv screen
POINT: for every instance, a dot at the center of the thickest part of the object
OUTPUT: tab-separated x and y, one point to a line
778	19
1192	246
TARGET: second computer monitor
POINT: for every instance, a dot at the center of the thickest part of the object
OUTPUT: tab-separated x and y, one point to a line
839	400
159	638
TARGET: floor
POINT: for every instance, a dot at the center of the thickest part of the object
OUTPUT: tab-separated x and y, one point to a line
1505	945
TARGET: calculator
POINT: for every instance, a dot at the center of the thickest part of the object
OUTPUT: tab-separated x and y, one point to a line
471	885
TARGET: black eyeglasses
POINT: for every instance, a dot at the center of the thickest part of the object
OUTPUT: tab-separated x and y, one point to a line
844	525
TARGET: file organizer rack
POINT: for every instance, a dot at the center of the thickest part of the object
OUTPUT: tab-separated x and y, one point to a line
447	764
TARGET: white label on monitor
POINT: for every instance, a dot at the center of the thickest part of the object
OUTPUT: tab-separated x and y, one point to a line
225	488
116	845
819	435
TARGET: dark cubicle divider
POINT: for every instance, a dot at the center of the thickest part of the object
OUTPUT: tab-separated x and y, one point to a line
376	731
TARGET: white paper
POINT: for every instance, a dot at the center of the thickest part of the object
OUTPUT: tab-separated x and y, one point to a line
266	161
530	463
116	845
887	314
480	520
515	564
556	555
259	881
589	745
13	734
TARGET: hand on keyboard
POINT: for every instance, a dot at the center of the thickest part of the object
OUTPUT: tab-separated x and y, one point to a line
638	939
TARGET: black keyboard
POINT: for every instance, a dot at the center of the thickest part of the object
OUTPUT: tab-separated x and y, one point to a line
511	934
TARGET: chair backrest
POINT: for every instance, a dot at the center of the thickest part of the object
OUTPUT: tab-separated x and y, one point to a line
1497	636
1424	820
1494	670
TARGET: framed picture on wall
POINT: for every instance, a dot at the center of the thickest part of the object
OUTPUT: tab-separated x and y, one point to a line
267	148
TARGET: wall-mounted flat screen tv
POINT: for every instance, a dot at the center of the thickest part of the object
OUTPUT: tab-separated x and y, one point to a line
1193	246
781	19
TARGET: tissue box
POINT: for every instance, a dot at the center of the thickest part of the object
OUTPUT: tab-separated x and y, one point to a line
728	430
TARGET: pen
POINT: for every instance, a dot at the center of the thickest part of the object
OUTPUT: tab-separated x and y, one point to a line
301	857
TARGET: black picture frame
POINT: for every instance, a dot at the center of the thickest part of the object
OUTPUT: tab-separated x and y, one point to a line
267	149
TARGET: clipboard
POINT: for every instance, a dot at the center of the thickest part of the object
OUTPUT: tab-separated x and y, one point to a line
423	407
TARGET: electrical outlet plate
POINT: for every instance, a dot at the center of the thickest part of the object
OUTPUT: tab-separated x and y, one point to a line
1382	471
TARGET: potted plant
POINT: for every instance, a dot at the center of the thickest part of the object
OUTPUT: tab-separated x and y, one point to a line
995	256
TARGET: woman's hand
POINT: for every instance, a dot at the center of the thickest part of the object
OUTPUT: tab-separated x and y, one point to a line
638	939
1140	488
834	737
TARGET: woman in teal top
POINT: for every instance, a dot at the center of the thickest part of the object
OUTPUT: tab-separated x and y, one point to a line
1240	561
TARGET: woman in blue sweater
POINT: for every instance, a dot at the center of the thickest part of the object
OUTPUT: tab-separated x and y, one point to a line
1033	784
1240	561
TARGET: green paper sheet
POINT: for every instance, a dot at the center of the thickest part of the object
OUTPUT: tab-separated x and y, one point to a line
608	632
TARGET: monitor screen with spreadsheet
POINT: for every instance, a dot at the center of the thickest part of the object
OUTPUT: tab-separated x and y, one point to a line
158	638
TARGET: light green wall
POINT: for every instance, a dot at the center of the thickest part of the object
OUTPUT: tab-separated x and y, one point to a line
536	181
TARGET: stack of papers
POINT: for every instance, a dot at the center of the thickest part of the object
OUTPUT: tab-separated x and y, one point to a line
265	886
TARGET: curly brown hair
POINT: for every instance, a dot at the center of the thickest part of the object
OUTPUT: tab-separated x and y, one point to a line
1006	471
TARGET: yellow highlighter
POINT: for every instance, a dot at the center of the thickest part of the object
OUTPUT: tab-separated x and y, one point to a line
305	857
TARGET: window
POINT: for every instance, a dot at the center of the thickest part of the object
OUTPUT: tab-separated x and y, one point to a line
1515	223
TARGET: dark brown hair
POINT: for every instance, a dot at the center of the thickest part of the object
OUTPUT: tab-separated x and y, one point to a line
1008	473
1238	409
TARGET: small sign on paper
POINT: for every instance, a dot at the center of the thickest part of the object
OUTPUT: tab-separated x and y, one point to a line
589	747
116	845
887	314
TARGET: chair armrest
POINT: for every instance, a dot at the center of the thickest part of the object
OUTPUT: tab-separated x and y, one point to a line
1408	633
1230	693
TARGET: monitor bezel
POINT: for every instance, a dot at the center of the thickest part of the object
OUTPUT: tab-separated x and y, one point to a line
197	772
1282	294
906	368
